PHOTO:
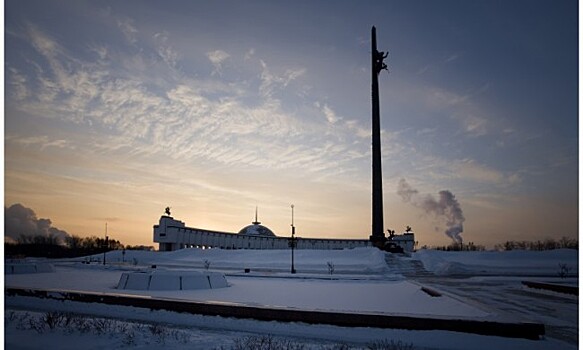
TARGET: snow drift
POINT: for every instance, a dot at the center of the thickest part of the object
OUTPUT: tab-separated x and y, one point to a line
346	261
505	263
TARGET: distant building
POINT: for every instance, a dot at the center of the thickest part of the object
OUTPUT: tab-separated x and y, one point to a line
173	234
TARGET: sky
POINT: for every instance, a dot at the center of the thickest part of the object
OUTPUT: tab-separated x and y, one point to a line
115	110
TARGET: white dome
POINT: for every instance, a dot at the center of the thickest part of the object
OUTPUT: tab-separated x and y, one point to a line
256	230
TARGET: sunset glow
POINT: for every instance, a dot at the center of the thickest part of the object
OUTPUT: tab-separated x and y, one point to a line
115	110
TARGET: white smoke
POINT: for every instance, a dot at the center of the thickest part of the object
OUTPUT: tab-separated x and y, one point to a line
445	207
22	221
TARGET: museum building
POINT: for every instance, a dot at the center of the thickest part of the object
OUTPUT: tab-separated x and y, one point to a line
172	234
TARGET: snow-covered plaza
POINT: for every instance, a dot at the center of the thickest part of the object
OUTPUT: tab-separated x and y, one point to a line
479	286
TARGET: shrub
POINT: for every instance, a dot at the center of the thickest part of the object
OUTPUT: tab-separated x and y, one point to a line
564	270
389	345
330	267
265	342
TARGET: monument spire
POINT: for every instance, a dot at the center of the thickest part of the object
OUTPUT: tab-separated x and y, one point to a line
256	222
377	65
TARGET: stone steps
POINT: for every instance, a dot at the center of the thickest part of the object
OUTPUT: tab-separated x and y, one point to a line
406	266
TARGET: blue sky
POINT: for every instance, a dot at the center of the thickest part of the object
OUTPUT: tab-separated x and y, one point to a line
115	110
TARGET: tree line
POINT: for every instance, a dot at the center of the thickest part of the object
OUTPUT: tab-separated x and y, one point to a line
73	246
547	244
458	247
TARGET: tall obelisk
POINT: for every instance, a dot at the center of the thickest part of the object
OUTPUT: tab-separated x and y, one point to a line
377	237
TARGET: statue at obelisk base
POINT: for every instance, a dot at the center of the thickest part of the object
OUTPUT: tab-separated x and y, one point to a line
377	65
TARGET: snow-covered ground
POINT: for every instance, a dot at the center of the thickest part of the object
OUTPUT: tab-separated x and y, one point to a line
504	263
359	260
362	282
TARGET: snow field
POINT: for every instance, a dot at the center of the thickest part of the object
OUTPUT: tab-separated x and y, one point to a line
361	283
515	262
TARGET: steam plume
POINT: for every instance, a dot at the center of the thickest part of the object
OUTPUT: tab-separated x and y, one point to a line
445	207
20	221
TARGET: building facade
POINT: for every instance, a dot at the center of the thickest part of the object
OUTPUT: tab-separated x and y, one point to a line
173	234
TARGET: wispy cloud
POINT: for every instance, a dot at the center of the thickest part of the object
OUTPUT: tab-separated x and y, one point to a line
270	82
451	58
18	84
436	65
42	142
126	25
217	58
471	118
330	115
165	50
423	69
182	118
249	54
473	125
126	105
472	170
358	129
100	50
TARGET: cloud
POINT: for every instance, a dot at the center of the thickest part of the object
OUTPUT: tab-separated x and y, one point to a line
22	221
145	112
473	125
423	69
42	142
451	58
330	115
100	50
249	54
270	81
426	131
126	103
470	169
217	58
42	42
474	121
169	55
354	126
441	98
18	82
126	25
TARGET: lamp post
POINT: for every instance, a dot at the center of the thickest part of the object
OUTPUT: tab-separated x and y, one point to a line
105	244
292	241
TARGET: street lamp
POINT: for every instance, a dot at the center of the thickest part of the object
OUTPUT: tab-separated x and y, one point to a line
292	241
105	244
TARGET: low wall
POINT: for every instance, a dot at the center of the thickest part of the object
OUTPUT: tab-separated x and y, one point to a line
17	268
532	331
171	280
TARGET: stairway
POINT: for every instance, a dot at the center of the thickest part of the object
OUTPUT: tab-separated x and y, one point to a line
406	266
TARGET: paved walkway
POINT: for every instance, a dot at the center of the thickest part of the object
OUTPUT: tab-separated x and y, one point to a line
493	327
506	296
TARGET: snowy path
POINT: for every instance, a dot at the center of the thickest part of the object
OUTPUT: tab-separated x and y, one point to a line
558	312
502	295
